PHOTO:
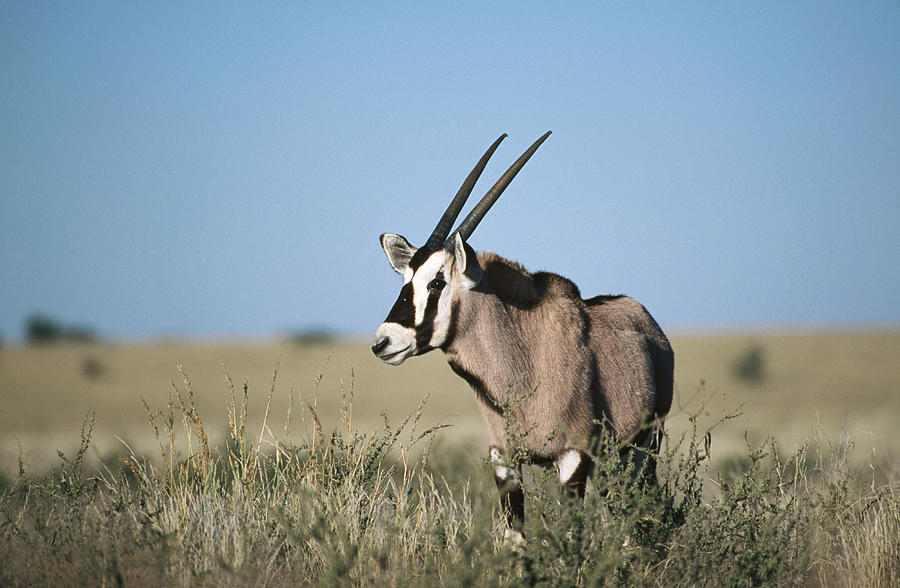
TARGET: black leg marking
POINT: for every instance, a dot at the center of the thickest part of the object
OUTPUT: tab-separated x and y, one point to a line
574	468
513	502
509	483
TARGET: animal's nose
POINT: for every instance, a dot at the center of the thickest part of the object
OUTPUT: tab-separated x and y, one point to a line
380	345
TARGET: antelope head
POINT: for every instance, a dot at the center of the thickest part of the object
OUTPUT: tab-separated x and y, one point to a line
437	273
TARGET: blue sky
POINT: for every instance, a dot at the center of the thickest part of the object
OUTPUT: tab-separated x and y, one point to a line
210	169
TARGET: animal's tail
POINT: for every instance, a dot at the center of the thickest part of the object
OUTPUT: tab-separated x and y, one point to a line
640	453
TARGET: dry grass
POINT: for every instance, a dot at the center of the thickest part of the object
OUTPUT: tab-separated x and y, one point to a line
342	506
809	382
283	471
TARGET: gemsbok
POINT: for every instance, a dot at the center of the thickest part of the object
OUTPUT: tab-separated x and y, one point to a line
560	368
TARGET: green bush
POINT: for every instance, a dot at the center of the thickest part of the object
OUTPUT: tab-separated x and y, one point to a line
92	368
44	329
750	365
312	335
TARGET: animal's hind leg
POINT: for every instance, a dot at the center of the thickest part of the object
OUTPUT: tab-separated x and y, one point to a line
512	499
639	457
649	473
574	467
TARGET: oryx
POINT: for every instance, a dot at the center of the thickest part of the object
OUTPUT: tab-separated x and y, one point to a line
561	368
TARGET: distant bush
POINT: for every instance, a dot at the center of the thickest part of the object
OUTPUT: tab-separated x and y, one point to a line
92	368
750	365
313	335
44	329
41	329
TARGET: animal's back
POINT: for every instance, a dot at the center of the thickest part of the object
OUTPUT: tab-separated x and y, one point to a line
631	359
634	363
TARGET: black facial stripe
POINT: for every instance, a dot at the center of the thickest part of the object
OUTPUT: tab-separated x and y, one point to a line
451	327
438	277
419	258
426	329
404	311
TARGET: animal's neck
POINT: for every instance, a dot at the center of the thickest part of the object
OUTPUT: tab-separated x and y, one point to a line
488	349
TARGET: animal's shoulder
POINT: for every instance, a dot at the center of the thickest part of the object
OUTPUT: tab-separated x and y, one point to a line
513	283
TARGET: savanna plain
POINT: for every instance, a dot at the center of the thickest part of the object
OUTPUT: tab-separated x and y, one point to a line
310	463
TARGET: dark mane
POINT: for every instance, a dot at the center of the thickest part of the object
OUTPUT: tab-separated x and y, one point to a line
514	284
602	299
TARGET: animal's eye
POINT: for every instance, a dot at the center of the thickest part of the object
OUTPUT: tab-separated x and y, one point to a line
436	285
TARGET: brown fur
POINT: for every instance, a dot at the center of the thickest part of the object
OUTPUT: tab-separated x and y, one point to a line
547	366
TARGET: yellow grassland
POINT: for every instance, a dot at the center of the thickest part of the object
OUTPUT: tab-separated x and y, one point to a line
809	381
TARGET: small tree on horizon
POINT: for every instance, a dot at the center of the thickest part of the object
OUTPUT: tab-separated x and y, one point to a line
44	329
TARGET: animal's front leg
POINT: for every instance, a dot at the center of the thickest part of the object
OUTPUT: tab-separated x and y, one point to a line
512	500
574	467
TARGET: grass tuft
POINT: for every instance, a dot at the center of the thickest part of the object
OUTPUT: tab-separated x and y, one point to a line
394	506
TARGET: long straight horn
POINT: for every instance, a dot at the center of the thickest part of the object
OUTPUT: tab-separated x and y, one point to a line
471	221
446	223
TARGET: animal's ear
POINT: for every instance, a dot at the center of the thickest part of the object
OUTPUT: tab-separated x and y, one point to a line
398	251
466	262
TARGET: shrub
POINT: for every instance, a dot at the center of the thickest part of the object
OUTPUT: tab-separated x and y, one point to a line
749	366
312	335
43	329
92	368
